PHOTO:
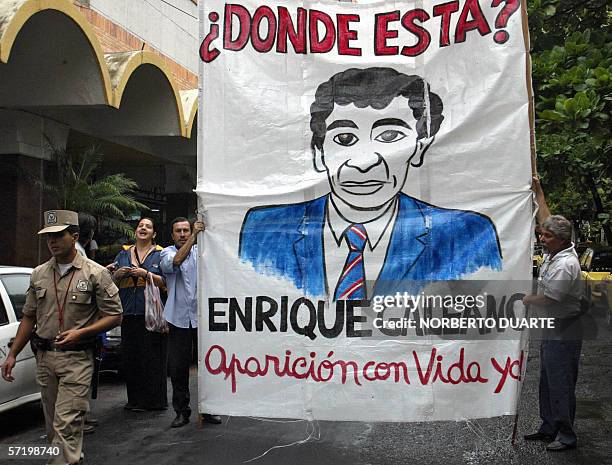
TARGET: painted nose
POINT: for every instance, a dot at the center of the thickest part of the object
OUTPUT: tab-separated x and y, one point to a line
365	161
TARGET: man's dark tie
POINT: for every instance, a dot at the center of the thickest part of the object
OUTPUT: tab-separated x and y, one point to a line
352	285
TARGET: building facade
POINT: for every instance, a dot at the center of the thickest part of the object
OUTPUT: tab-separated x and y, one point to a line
120	75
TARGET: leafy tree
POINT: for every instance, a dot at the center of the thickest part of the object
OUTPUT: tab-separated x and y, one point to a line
110	198
572	77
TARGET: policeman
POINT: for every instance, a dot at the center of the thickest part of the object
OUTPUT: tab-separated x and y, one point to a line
70	300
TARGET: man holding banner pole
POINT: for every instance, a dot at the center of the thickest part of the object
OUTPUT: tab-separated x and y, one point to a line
179	263
559	293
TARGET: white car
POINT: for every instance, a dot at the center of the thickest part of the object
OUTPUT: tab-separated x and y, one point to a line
14	282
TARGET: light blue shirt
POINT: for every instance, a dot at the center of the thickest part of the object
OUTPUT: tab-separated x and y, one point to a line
182	282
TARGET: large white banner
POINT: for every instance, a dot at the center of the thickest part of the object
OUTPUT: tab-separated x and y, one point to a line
364	170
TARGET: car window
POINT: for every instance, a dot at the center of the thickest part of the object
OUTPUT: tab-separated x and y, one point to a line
602	261
16	286
3	315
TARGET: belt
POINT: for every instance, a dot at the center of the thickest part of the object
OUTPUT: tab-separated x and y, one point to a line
51	346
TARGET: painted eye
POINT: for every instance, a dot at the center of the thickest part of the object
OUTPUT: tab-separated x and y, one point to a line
345	139
390	135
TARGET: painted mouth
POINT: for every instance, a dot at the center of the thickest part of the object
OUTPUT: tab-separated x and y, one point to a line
362	187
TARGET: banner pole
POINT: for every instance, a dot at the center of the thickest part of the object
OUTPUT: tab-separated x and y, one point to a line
532	140
534	170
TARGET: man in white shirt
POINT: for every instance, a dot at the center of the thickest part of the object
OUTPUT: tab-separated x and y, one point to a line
559	292
87	226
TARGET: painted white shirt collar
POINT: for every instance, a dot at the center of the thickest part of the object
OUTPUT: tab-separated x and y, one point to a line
375	229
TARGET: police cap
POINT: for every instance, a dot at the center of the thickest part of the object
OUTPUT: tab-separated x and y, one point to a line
58	220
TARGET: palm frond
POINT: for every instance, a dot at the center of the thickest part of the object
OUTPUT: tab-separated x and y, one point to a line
120	226
110	198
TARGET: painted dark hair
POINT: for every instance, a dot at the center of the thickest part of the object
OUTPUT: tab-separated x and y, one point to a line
376	88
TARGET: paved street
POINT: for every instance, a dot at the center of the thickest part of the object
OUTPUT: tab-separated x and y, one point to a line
127	438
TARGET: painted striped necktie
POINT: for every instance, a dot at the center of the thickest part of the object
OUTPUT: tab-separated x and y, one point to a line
352	285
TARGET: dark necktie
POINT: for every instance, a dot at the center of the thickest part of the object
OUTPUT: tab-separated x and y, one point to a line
351	285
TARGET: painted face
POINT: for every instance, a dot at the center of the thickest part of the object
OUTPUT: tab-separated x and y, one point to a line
367	152
144	230
551	242
180	233
61	243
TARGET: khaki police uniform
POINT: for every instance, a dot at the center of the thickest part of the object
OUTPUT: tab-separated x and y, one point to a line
64	376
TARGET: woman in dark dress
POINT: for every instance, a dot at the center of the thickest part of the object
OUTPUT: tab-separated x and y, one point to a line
144	352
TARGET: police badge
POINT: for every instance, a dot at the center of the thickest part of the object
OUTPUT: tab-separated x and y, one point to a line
82	285
51	217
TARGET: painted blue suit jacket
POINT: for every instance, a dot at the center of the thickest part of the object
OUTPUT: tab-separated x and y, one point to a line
427	243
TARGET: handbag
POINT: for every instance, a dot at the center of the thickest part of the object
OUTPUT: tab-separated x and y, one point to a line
154	308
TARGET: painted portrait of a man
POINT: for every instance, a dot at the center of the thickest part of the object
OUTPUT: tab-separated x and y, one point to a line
370	129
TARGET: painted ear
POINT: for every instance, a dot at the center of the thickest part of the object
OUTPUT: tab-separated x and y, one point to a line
422	146
317	159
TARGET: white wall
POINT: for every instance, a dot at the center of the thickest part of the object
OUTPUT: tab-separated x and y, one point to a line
169	30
